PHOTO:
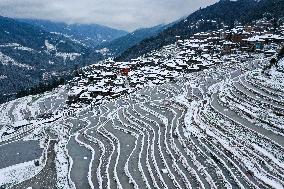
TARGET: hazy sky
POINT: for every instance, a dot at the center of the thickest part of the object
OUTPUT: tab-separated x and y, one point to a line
122	14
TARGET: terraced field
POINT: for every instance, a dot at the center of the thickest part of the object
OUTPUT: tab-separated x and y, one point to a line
215	129
219	128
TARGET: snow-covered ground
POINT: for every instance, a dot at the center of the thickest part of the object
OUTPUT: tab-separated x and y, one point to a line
199	113
216	128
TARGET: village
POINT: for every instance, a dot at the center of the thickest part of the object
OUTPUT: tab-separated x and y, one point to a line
203	112
108	80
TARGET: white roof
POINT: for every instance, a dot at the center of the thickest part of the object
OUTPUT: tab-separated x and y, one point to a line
86	95
76	90
118	89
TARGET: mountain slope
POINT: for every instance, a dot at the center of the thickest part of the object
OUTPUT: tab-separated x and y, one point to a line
29	55
225	12
89	34
118	46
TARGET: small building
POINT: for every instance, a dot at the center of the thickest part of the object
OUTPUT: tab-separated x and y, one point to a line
124	71
85	97
74	93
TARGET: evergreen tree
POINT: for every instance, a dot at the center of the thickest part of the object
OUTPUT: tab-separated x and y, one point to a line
281	53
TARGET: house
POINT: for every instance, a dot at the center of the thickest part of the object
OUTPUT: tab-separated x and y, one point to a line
85	97
255	42
270	53
229	47
119	81
124	71
83	82
74	93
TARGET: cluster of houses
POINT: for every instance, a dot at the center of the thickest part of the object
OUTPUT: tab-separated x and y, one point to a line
109	79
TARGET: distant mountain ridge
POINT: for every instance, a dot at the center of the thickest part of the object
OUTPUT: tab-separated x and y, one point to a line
89	34
224	12
118	46
30	55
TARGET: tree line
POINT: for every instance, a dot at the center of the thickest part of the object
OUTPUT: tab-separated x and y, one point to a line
41	88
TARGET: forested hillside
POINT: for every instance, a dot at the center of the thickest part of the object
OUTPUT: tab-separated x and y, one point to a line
29	55
91	35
